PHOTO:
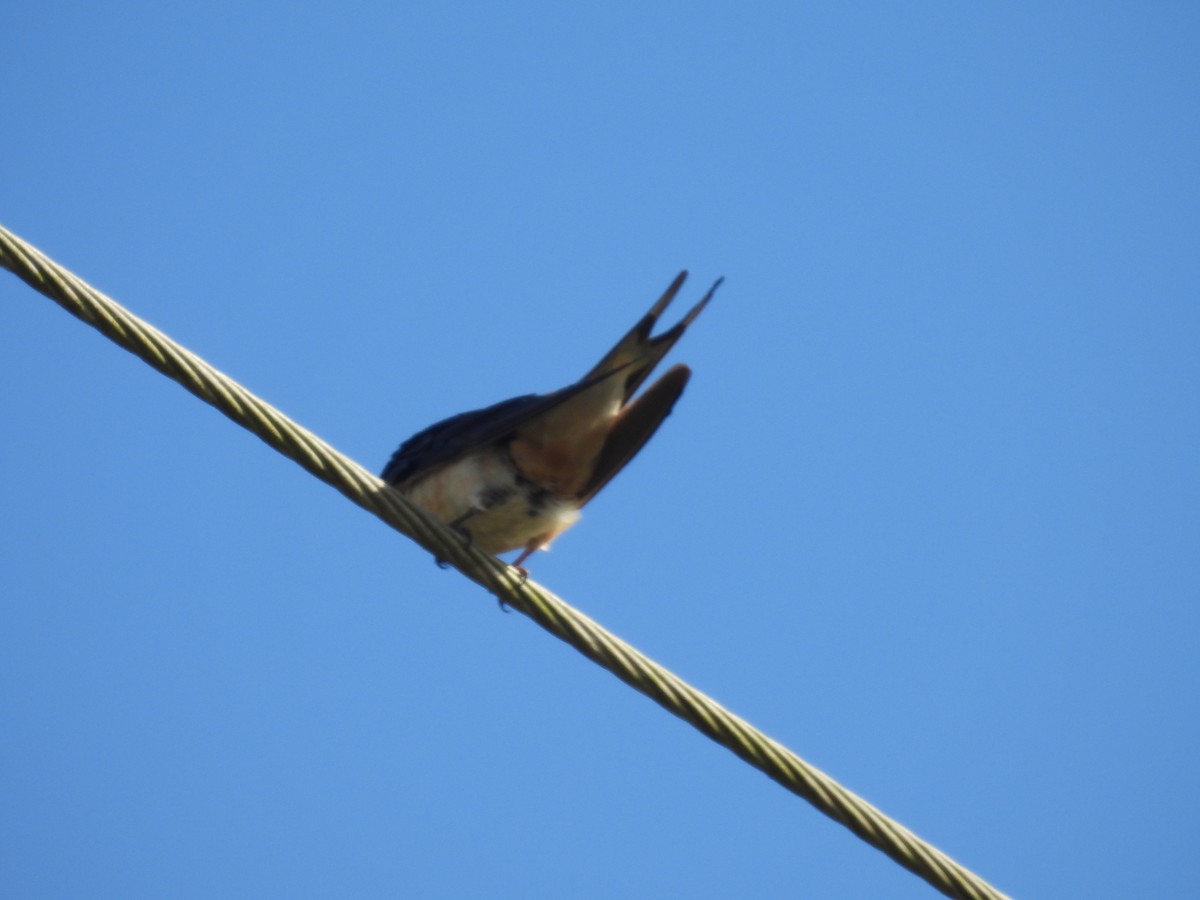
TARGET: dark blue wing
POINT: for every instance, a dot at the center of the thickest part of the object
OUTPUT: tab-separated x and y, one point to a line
450	438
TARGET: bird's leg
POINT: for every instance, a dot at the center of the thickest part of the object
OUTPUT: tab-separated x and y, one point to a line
457	524
528	552
465	533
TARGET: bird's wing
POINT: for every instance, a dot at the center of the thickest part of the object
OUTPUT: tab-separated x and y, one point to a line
635	425
449	439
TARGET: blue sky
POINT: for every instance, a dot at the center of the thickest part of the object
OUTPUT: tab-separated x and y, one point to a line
927	513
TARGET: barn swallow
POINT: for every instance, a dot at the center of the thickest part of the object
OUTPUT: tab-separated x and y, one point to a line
516	474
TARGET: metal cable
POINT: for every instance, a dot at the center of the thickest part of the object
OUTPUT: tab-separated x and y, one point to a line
539	604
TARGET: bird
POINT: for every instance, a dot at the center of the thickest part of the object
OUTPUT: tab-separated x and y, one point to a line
516	474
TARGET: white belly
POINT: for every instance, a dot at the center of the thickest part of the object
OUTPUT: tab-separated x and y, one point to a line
500	511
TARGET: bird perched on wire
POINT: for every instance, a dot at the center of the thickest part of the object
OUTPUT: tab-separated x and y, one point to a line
516	474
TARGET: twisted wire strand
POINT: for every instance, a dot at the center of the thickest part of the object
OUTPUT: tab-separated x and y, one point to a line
539	604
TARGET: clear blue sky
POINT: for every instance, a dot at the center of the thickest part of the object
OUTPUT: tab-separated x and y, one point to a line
929	512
